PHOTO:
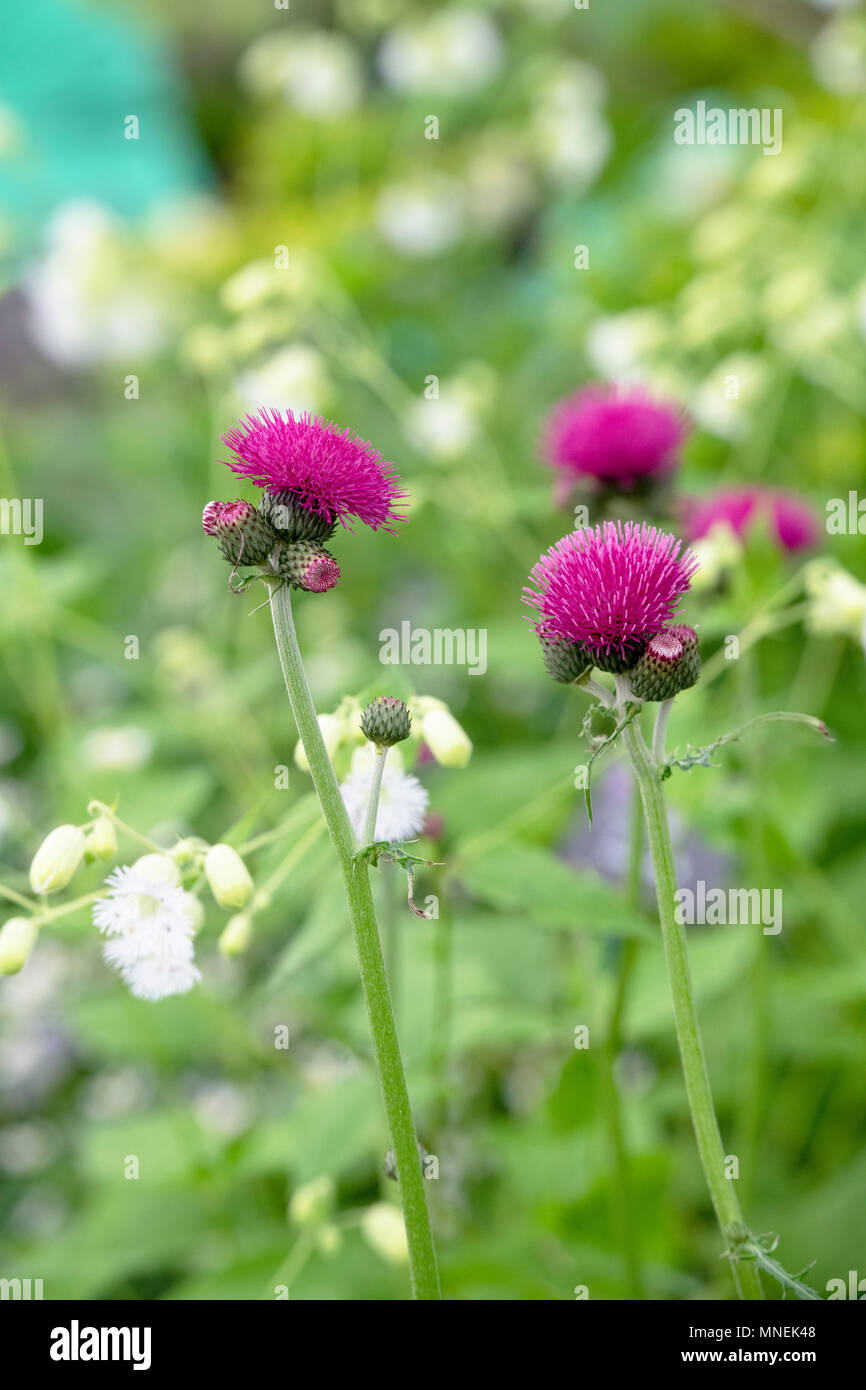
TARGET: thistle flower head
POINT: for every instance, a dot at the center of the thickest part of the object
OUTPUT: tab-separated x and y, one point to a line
328	472
792	524
610	588
619	436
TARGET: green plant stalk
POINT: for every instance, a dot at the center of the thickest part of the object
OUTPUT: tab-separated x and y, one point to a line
386	1048
724	1198
368	834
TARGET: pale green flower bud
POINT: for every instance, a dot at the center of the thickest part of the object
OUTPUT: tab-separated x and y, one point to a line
447	740
333	729
17	939
57	859
312	1203
329	1240
185	852
158	868
228	876
101	841
193	909
236	935
383	1229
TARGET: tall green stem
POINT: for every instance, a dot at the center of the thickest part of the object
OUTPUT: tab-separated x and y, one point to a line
722	1192
355	874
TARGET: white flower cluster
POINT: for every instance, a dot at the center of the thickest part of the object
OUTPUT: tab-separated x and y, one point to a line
149	925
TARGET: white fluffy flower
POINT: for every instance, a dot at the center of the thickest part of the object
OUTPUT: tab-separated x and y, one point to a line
402	803
150	934
452	53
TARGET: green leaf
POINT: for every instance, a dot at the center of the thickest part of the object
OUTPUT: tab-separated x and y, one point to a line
525	878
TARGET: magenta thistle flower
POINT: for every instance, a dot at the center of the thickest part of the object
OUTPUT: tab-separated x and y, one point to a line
611	588
791	523
328	472
619	436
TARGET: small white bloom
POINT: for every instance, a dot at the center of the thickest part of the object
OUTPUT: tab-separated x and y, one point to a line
402	804
452	53
837	601
293	379
117	750
149	931
422	217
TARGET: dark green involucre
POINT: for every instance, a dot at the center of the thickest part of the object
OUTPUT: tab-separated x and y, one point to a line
564	660
386	721
292	521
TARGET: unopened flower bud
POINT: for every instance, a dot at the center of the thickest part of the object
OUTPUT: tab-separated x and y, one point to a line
308	565
228	876
101	840
312	1203
447	740
193	909
158	868
332	729
382	1227
17	939
57	859
671	663
244	535
236	935
564	660
329	1239
386	721
187	851
293	521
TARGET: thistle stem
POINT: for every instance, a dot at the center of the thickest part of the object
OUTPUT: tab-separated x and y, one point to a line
386	1048
724	1198
368	834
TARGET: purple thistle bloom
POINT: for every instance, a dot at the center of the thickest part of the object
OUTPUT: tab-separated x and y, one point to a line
610	588
791	521
618	436
329	472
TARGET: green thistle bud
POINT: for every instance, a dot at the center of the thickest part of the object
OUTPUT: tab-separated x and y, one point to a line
244	535
564	660
293	522
386	721
308	565
671	663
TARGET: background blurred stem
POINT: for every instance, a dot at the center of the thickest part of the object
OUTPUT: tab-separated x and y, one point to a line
706	1126
355	874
